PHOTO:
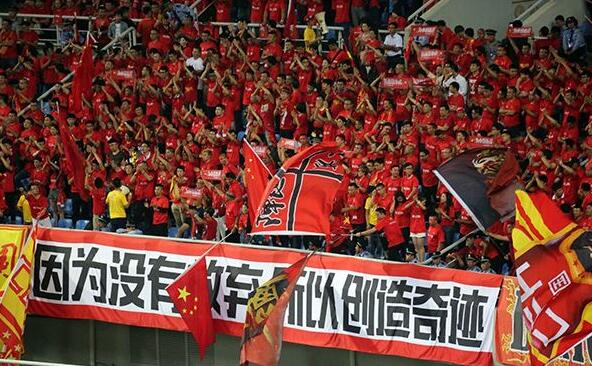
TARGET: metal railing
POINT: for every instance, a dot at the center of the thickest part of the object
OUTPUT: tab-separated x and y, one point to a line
130	33
419	12
451	247
32	363
532	9
253	26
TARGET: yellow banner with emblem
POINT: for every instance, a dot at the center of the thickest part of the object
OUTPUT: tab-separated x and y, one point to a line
12	239
13	302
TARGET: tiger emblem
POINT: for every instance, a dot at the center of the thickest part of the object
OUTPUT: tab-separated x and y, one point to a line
489	162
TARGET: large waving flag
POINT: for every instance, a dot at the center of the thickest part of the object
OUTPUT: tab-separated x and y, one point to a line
483	181
74	159
190	294
554	269
83	76
13	303
264	322
256	177
299	198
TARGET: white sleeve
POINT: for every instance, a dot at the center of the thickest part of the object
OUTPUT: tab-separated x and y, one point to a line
462	85
398	40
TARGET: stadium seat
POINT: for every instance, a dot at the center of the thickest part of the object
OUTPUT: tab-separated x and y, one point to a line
65	223
18	220
68	208
81	224
173	232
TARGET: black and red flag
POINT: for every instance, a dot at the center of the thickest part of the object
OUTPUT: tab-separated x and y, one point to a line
299	198
264	322
483	181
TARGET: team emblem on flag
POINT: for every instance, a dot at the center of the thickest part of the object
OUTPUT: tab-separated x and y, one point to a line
554	270
299	198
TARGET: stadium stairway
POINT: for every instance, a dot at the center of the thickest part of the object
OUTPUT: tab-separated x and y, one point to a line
543	12
494	14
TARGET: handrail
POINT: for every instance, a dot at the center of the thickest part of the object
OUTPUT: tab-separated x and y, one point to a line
32	363
422	9
117	39
531	9
253	25
450	247
66	78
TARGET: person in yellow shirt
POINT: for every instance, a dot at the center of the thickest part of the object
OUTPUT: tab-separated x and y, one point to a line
117	202
23	206
375	248
311	39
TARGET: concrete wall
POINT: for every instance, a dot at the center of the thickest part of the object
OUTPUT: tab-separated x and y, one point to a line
495	14
83	342
545	15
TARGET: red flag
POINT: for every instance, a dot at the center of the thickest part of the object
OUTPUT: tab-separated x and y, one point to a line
190	294
554	270
299	198
290	30
264	322
83	76
74	159
256	177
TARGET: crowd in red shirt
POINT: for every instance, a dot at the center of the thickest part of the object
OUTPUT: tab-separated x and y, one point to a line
167	113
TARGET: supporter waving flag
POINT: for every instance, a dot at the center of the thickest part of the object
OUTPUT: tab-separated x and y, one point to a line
83	76
256	177
299	198
264	322
554	270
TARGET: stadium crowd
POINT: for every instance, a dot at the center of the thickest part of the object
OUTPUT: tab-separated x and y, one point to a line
161	133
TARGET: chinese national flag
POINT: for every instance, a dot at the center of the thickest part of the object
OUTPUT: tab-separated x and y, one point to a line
83	76
264	322
256	177
13	304
74	159
554	269
299	198
190	294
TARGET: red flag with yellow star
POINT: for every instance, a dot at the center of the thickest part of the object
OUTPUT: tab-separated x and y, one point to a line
190	294
13	304
256	177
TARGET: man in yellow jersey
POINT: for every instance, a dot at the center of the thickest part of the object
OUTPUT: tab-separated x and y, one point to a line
23	206
117	202
375	248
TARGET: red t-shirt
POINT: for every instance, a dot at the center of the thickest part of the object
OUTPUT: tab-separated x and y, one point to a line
161	214
98	200
391	230
435	238
417	220
38	205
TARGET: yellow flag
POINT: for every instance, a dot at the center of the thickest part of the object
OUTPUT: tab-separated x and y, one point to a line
12	239
13	303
